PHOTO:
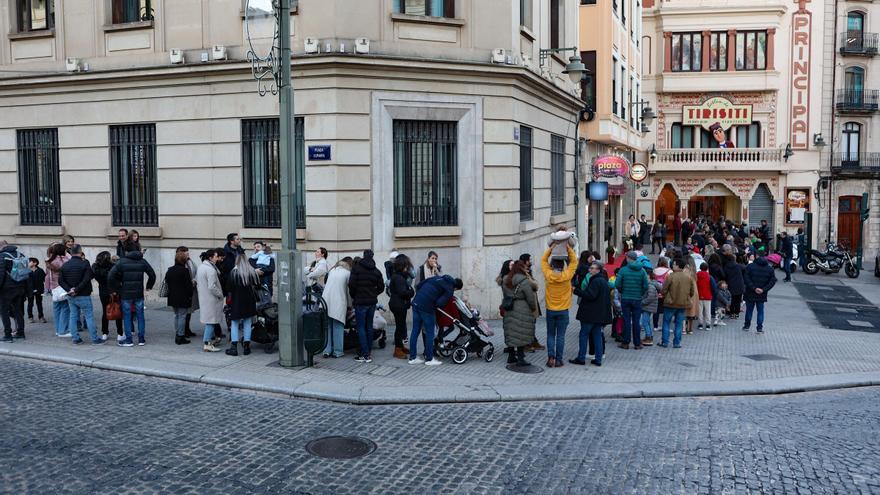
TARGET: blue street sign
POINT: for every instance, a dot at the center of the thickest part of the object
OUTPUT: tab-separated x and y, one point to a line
319	152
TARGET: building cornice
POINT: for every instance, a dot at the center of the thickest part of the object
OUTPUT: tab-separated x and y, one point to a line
701	12
333	64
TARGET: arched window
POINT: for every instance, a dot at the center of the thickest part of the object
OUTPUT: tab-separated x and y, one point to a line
851	144
855	31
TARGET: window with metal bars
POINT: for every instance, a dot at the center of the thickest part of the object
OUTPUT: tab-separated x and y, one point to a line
425	173
261	172
557	175
526	194
39	197
133	175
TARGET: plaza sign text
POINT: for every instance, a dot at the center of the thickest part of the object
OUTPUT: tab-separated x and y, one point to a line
717	109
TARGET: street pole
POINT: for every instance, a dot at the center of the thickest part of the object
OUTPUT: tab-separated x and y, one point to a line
290	336
580	199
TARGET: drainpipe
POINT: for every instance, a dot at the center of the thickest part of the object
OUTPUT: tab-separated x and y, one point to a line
833	118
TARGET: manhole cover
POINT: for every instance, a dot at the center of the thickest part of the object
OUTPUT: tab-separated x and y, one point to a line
340	447
529	368
765	357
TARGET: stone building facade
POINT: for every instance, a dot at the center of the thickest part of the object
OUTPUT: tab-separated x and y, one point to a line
421	125
749	66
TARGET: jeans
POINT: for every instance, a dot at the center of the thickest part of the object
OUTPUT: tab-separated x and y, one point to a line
557	323
364	322
246	325
82	304
126	318
594	332
180	321
632	313
646	324
705	316
658	241
208	335
399	326
787	267
422	319
750	308
335	338
105	324
668	314
35	300
61	313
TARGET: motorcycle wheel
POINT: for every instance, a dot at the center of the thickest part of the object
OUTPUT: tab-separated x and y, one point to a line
852	271
811	268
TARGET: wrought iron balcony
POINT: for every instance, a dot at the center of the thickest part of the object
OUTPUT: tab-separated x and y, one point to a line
858	43
857	100
706	159
856	164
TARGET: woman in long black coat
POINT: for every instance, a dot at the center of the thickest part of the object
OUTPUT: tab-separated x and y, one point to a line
594	312
241	285
179	281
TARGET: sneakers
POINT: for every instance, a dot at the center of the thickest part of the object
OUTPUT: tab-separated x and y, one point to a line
78	341
181	340
64	335
661	344
648	341
417	360
720	323
43	320
760	330
434	362
104	337
579	362
745	329
362	359
8	338
209	347
676	346
142	343
18	335
120	339
125	343
596	363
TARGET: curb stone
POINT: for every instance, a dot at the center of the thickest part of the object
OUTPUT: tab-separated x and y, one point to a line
375	395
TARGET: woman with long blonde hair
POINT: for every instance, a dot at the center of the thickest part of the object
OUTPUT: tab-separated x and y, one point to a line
242	282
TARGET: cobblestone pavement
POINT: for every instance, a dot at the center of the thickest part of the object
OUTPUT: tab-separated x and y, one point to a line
71	430
801	348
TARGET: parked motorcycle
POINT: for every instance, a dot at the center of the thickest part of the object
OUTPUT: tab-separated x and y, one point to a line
831	261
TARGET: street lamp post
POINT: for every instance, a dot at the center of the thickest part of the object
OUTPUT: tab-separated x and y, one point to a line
272	72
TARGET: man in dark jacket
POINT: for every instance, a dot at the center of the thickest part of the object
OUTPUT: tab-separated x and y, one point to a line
364	285
787	249
594	312
76	278
12	294
129	272
230	251
759	279
431	294
120	243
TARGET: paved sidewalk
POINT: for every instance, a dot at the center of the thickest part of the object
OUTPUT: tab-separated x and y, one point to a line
796	353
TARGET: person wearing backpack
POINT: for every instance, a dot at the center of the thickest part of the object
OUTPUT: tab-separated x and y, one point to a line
13	285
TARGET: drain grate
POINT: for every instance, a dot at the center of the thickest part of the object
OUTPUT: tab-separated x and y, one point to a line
765	357
340	447
529	368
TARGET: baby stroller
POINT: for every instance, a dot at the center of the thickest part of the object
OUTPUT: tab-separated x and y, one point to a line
471	336
350	336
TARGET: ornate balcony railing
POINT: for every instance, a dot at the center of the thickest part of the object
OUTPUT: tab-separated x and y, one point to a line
858	43
717	159
858	100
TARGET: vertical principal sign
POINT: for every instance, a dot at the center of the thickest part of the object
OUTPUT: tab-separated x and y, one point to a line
801	26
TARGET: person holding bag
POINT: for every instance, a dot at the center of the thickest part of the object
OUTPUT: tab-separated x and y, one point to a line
56	256
107	289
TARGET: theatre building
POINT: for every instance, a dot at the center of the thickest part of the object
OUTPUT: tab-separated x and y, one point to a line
733	67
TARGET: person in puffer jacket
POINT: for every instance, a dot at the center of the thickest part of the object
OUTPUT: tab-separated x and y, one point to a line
129	272
431	293
364	285
631	283
650	303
